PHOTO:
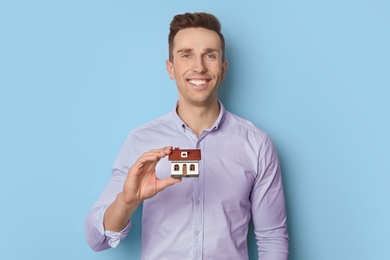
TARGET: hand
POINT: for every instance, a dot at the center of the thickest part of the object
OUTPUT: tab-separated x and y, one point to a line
141	182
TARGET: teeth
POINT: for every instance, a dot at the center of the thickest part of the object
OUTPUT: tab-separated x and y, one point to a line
197	82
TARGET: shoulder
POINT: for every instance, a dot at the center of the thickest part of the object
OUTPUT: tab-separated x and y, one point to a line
243	127
146	137
160	123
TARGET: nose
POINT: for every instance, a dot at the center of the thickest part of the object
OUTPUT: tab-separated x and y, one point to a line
199	65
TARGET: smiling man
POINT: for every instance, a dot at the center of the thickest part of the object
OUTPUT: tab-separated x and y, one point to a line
239	175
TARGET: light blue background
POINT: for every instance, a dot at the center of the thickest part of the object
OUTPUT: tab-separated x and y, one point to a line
77	76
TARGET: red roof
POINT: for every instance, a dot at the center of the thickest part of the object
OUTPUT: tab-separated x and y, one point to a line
184	155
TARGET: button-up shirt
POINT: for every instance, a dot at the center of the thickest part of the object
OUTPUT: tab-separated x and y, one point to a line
205	217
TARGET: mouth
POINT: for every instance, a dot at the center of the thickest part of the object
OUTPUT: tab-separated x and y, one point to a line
198	82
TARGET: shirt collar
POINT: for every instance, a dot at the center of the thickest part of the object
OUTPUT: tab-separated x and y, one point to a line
182	127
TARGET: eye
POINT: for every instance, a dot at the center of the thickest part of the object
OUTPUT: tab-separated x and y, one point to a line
211	56
186	55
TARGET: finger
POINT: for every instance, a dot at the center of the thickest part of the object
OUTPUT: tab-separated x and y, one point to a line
146	159
155	155
151	158
164	183
162	152
165	148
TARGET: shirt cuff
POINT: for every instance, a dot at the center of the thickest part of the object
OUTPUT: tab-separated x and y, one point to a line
114	238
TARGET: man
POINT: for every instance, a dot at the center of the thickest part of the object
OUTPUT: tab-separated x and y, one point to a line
239	176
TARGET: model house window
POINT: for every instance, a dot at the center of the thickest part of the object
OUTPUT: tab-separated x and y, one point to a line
184	154
176	167
192	167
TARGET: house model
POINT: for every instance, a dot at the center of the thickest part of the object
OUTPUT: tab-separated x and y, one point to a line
184	162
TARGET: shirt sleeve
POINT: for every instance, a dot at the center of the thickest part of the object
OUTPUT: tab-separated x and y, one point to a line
268	207
98	238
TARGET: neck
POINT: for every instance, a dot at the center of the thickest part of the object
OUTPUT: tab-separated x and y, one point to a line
198	118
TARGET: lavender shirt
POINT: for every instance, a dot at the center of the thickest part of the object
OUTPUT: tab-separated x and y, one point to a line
205	217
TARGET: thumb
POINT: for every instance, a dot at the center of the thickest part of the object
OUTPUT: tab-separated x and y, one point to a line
162	184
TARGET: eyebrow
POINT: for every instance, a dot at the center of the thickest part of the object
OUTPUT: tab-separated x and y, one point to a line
207	50
185	50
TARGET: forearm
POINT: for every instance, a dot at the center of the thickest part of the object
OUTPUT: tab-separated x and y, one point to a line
119	213
97	237
94	230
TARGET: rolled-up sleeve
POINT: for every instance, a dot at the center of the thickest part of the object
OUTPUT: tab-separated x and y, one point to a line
98	238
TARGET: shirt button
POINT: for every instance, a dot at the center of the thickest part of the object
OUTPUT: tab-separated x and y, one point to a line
197	202
197	233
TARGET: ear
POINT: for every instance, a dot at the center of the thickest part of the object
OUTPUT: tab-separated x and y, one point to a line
224	69
169	67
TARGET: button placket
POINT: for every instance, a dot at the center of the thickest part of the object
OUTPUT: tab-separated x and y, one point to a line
198	194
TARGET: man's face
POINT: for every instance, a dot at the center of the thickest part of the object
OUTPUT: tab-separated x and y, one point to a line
197	65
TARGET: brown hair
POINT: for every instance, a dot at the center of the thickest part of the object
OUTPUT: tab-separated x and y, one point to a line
194	20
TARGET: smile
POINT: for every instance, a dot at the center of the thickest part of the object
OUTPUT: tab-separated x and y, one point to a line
197	82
